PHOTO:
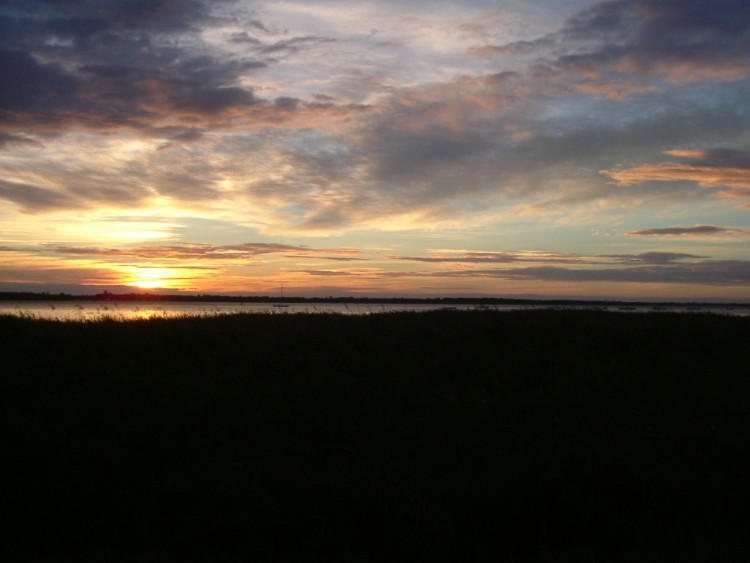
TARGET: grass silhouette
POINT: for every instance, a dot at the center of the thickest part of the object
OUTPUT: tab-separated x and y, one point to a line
441	436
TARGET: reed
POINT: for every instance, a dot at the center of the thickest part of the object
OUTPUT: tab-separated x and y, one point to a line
442	436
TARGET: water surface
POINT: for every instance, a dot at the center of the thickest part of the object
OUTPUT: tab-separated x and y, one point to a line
135	310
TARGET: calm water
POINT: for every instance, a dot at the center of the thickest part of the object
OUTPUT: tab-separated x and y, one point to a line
88	310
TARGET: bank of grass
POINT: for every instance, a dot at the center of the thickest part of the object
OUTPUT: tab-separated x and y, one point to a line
444	436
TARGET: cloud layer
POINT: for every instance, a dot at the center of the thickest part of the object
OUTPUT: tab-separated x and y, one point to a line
390	128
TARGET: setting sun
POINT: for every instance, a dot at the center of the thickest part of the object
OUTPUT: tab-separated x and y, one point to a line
147	277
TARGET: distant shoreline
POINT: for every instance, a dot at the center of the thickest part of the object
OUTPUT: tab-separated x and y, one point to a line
206	298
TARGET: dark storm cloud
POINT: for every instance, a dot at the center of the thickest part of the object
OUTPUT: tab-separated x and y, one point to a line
699	230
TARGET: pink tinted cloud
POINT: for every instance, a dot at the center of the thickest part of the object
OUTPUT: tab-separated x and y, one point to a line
706	176
710	168
614	89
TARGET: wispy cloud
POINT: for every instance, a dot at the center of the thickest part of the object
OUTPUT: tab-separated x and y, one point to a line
245	251
728	273
699	230
706	175
34	198
614	89
8	139
522	256
503	257
708	168
642	268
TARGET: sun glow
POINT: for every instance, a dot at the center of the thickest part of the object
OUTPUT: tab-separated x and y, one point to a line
148	277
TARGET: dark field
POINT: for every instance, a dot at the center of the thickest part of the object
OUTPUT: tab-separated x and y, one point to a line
447	436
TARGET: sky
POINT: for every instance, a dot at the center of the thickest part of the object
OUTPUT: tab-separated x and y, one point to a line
551	148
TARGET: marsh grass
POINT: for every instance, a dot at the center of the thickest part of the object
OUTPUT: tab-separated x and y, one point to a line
442	436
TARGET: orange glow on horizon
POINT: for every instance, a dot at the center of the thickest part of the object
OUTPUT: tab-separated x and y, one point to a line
150	277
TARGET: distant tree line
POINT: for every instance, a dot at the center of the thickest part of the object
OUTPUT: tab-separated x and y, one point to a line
447	301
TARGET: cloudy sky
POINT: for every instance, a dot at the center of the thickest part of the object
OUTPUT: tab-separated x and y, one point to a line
344	147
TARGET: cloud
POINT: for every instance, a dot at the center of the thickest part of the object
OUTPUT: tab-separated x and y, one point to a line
614	89
503	257
655	257
711	168
7	140
521	256
30	87
699	230
735	194
705	176
212	101
683	40
327	273
377	120
728	273
680	40
498	140
516	48
138	64
719	157
35	198
78	276
245	251
446	148
286	47
654	267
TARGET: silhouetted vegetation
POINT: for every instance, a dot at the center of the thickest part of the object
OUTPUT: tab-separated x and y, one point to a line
435	301
443	436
